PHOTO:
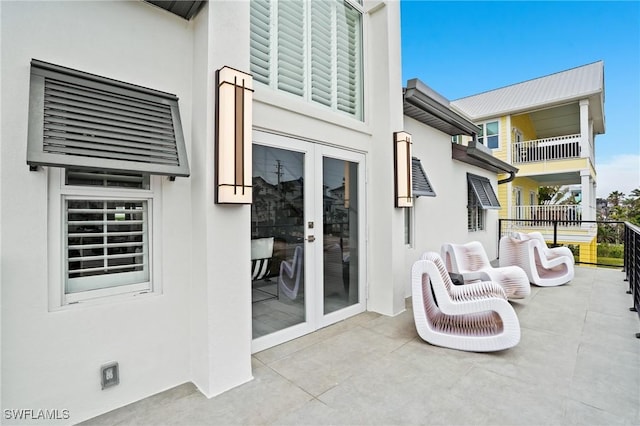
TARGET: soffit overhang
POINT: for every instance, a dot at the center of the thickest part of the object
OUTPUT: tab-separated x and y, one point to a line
428	107
478	155
185	9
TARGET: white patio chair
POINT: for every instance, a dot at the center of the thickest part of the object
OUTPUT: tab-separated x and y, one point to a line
529	255
475	317
550	252
291	274
471	261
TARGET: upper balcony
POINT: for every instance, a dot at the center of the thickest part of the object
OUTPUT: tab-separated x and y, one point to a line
548	149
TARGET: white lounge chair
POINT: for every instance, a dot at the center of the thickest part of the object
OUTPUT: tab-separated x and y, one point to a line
475	317
530	256
550	252
291	274
471	261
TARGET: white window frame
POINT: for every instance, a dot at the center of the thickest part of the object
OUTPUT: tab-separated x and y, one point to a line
59	192
306	72
483	133
409	226
476	217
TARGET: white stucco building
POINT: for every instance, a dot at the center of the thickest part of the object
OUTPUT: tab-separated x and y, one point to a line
113	247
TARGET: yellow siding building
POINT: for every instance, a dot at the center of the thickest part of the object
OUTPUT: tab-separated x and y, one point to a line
546	127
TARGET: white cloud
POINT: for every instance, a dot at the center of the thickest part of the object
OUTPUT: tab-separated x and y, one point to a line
619	173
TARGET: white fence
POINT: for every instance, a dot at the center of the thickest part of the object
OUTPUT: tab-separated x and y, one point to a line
570	213
556	148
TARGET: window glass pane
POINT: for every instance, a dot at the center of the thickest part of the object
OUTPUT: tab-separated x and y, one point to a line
277	240
314	50
260	44
407	226
106	179
291	47
492	142
349	59
106	243
492	128
340	232
321	53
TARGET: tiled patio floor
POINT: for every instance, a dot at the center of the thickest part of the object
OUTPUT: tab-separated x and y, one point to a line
578	362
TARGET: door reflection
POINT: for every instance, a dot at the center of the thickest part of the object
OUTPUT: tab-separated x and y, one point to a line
277	240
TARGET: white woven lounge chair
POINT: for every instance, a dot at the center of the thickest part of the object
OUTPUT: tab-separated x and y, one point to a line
550	252
529	255
475	317
291	274
471	261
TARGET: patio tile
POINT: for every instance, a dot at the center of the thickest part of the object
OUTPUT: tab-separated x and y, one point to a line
578	362
545	318
319	367
608	380
541	358
502	400
278	352
612	330
579	413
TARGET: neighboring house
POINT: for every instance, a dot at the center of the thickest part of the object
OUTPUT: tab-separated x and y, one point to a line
547	128
116	244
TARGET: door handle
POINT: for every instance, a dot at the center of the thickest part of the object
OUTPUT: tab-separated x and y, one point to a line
311	238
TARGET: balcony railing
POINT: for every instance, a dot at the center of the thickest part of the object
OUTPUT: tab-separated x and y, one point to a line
632	264
556	148
569	214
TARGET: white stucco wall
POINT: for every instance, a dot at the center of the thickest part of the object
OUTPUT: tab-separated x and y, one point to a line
443	219
51	359
220	333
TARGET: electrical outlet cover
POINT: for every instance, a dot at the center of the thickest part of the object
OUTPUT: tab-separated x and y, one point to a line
110	375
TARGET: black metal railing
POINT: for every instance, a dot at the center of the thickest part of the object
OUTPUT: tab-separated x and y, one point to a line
632	264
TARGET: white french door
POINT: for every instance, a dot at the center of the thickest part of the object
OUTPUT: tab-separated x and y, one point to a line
307	236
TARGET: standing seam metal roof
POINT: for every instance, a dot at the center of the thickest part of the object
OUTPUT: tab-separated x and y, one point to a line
572	84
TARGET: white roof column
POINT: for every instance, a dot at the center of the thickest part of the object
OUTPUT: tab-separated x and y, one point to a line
585	137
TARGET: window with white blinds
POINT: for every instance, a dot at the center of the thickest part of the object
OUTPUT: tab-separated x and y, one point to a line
312	49
106	235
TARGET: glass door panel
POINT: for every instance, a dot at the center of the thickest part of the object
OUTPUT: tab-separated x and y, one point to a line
277	240
340	223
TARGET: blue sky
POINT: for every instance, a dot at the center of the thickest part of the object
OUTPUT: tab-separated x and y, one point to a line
464	48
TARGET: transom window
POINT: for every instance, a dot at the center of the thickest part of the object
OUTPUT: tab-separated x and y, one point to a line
489	134
312	49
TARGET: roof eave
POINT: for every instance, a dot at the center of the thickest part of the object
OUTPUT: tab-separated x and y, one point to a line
419	95
477	154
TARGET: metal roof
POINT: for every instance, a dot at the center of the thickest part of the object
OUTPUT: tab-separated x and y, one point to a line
584	82
183	8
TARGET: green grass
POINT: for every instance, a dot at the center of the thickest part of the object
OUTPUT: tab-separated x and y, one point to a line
611	261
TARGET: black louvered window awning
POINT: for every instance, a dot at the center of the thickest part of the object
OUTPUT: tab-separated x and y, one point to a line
421	185
485	195
85	121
